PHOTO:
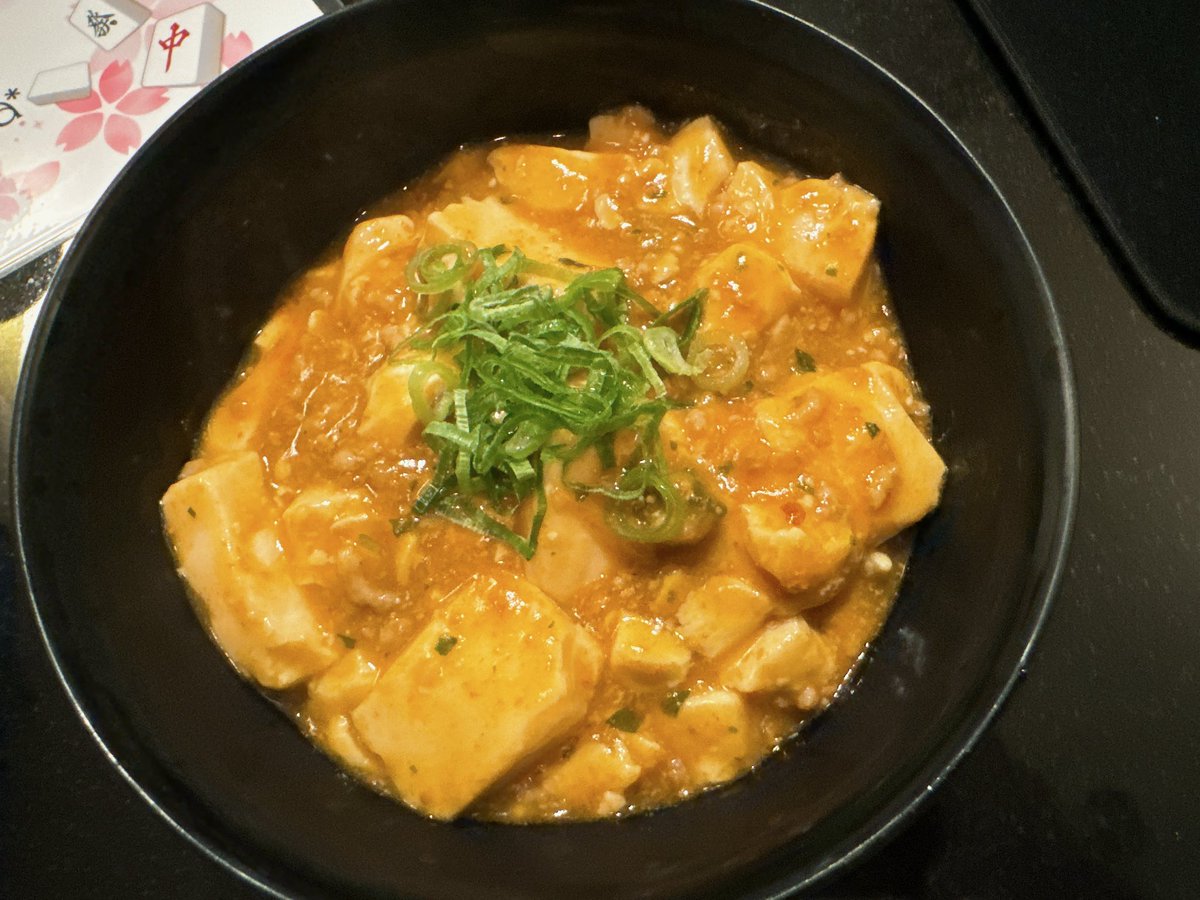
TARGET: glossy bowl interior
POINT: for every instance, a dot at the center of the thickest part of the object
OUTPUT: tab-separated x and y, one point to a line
183	260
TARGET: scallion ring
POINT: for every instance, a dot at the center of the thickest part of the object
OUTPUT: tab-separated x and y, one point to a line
429	273
431	387
721	361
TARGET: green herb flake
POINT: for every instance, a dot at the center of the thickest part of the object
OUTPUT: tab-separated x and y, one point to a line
625	719
445	644
191	512
872	428
412	769
725	468
367	543
348	641
733	729
804	362
673	702
402	524
831	270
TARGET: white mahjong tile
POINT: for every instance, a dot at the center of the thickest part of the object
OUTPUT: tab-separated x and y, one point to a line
73	82
108	22
185	48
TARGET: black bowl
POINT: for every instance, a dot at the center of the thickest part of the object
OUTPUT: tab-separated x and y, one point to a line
183	260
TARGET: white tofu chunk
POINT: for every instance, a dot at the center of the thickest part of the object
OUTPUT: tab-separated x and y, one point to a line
748	291
316	525
575	548
788	656
236	419
700	163
747	202
720	613
920	470
73	82
591	781
801	556
629	128
343	685
885	476
710	736
108	22
215	519
645	652
825	231
185	48
486	223
554	178
377	249
389	416
499	672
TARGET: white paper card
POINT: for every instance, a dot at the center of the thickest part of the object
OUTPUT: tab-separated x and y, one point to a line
96	108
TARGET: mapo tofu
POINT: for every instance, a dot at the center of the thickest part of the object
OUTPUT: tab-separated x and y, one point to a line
574	482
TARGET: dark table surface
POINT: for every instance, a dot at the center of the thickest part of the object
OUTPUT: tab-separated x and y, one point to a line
1087	784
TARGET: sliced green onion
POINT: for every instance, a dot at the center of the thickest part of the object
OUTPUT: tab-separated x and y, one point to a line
625	719
662	343
430	387
656	515
721	362
429	273
674	701
546	373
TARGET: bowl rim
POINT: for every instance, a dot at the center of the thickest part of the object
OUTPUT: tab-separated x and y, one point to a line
1055	524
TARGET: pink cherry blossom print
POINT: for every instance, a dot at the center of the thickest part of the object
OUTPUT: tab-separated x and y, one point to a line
80	131
115	81
18	189
235	48
121	133
39	179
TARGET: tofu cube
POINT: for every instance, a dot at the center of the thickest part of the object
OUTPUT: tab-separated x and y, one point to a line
185	48
722	612
788	656
747	202
825	230
215	519
342	686
317	526
748	291
499	672
108	22
591	781
488	222
700	163
800	556
575	548
389	416
645	652
73	82
377	250
920	470
629	128
331	697
554	178
710	736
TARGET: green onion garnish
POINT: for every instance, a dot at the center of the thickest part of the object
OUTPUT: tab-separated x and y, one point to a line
625	719
544	373
673	702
